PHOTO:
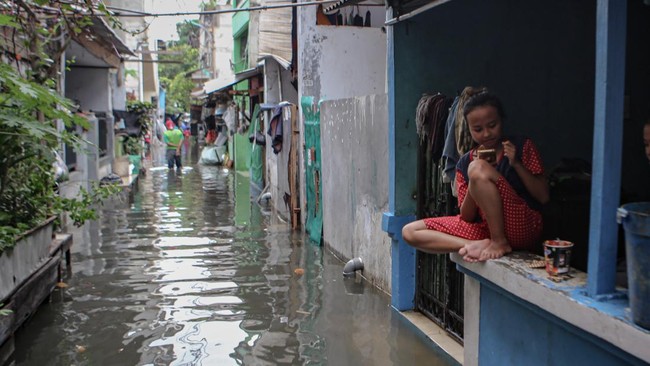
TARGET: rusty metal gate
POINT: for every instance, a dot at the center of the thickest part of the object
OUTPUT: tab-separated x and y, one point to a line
439	286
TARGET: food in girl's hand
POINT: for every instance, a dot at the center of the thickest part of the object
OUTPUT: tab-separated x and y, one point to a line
489	155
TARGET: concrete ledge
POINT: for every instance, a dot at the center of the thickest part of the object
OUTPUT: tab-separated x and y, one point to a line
566	300
436	334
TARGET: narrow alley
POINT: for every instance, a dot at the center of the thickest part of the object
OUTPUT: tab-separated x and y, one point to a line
192	273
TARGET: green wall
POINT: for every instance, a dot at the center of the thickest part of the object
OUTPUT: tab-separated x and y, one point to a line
240	19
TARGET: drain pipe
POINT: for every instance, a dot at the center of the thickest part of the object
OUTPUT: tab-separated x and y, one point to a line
352	265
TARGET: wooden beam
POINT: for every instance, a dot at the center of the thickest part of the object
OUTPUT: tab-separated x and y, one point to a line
99	50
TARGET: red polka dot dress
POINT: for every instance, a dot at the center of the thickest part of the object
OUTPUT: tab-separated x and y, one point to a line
522	218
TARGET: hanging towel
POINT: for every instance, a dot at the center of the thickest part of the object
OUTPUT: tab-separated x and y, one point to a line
450	154
275	130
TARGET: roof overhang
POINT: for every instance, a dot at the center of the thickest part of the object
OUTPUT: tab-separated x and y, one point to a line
217	85
103	43
284	63
332	7
405	9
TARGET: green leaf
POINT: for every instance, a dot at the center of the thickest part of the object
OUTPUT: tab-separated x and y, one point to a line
8	21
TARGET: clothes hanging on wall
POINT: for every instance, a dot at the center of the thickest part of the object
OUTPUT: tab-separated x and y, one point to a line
275	130
450	154
358	19
431	117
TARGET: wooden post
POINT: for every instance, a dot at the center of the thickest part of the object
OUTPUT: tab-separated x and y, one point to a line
294	169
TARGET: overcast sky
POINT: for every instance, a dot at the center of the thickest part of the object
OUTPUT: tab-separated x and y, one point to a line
165	27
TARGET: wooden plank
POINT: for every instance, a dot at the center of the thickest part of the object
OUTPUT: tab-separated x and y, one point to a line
294	171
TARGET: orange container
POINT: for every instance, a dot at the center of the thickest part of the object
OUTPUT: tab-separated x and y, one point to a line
557	254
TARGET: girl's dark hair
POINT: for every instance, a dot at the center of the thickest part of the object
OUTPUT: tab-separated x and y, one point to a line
483	99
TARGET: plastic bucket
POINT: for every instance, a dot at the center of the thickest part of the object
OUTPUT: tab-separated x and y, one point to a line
136	161
635	218
557	255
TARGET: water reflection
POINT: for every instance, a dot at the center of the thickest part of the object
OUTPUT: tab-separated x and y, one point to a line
191	273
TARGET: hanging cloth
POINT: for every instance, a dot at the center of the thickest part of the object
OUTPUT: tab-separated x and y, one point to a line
357	21
275	130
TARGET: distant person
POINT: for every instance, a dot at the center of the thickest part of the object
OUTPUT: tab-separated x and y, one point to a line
173	139
211	125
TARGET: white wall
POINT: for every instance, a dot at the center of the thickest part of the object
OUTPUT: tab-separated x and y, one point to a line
223	45
337	62
354	160
118	89
89	86
352	62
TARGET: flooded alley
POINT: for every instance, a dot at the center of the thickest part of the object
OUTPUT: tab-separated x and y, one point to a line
191	272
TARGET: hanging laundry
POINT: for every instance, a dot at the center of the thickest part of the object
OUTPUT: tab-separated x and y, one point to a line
367	22
431	118
358	19
275	130
450	155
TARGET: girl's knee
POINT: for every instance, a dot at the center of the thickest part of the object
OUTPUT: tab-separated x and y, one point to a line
408	232
481	170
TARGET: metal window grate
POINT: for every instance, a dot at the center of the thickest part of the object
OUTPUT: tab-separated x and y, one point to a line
439	286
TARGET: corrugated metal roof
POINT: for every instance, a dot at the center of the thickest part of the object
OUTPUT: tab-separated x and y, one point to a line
216	85
101	28
341	3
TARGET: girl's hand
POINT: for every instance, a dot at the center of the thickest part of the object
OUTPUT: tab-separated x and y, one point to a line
510	151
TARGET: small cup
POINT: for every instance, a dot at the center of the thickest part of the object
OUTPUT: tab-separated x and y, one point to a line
557	255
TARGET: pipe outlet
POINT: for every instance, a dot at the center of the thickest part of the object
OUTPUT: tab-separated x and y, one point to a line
353	265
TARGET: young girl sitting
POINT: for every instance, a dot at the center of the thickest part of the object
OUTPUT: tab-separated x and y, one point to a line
499	199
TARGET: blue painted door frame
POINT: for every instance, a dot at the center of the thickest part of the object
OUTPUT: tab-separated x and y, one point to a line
611	23
402	255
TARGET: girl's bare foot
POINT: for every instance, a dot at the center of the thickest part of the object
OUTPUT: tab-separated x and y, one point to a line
495	250
472	252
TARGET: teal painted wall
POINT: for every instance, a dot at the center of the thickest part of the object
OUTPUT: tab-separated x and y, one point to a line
242	148
240	20
636	172
537	56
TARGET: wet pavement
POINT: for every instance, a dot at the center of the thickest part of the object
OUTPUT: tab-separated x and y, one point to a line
190	272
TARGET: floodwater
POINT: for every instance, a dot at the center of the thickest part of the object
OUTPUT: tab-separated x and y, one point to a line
190	272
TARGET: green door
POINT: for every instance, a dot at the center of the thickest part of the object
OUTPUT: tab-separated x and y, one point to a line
313	177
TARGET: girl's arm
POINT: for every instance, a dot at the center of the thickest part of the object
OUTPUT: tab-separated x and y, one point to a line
468	207
535	184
